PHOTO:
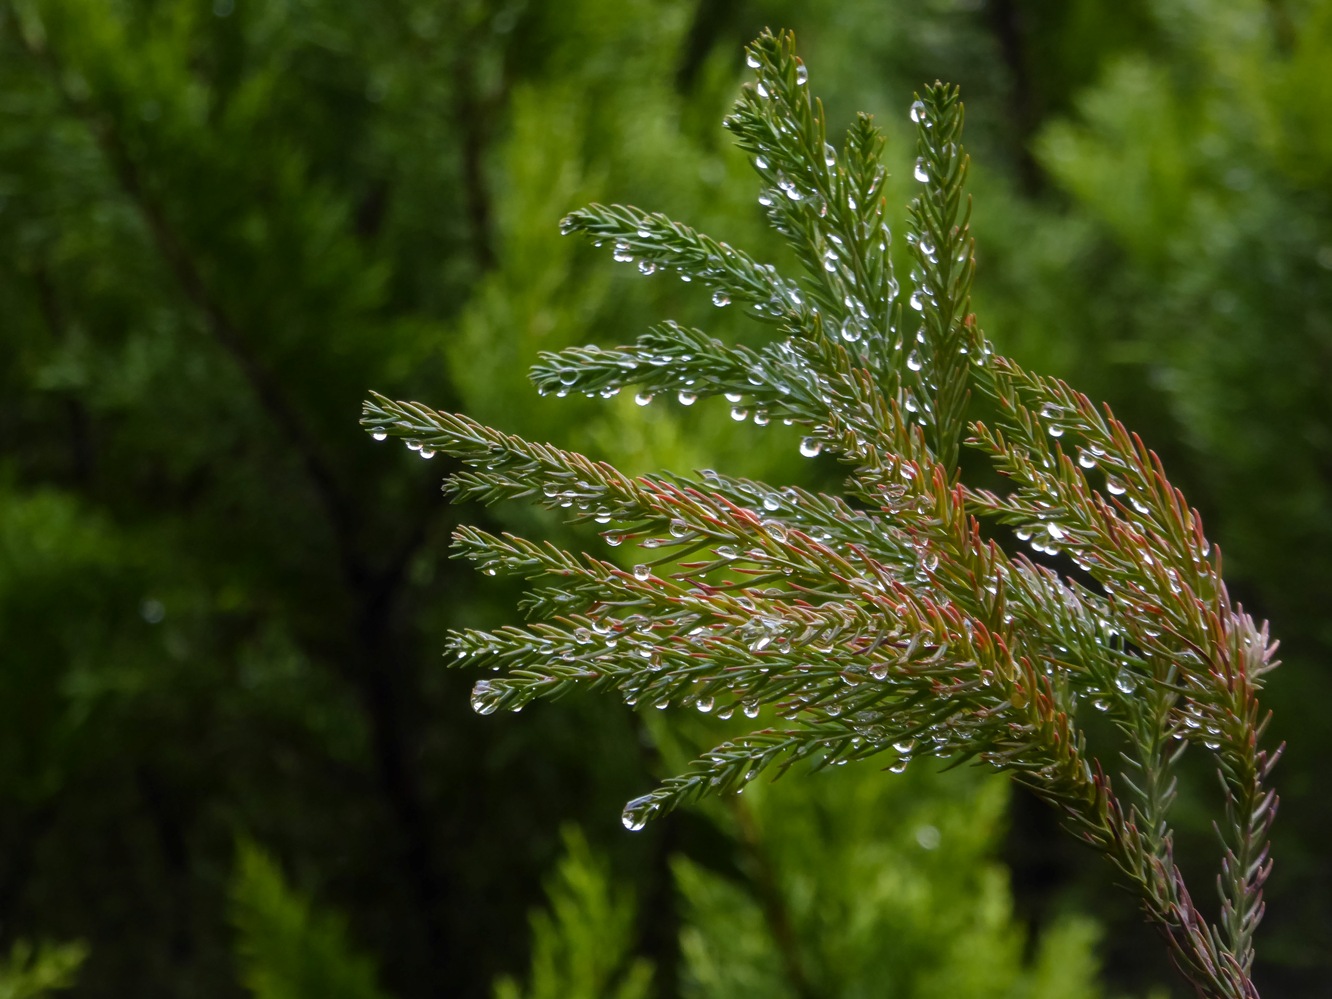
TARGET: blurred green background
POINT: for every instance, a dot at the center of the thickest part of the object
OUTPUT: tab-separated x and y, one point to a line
231	759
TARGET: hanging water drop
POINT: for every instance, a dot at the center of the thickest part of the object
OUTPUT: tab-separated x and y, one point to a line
913	361
642	573
739	414
687	398
622	253
720	298
704	704
761	162
427	452
918	112
638	811
1126	681
802	75
379	435
921	172
917	301
1114	486
810	447
486	697
751	61
646	267
751	708
643	398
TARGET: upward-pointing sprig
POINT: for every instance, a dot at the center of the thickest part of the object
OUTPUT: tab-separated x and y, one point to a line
887	621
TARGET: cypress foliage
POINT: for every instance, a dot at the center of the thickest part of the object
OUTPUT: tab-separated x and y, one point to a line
888	622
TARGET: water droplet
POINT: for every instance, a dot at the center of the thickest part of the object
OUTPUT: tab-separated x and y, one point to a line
913	361
1086	459
810	447
739	413
762	90
1051	411
829	155
750	708
413	445
622	253
765	199
638	811
761	162
802	75
850	331
760	418
379	435
704	704
486	697
687	398
646	267
921	172
771	502
1056	532
917	300
918	112
642	572
720	298
643	398
1055	430
1114	486
679	528
427	452
1126	681
614	540
751	61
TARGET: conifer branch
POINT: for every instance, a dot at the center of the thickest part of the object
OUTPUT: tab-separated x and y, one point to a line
887	621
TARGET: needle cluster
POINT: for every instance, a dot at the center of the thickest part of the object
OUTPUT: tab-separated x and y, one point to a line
905	617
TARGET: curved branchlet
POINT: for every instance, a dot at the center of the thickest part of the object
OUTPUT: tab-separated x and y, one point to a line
885	622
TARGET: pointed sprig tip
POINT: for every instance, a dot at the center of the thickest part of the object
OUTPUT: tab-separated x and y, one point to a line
907	616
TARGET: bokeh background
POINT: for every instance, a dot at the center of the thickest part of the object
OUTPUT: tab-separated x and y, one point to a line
232	759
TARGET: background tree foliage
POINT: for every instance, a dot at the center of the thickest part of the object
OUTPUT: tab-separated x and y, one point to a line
221	609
